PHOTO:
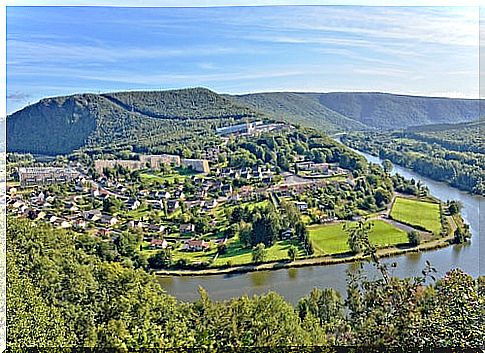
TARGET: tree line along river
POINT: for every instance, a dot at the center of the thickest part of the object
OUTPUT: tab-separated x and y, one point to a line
294	283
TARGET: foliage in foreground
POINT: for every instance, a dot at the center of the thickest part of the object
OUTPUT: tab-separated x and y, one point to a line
59	295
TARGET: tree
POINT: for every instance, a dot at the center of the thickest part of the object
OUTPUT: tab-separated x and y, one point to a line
454	207
232	230
414	238
382	197
292	252
245	232
266	227
162	259
358	235
461	236
326	305
259	253
387	165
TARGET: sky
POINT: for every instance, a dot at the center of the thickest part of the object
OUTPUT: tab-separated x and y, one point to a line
411	50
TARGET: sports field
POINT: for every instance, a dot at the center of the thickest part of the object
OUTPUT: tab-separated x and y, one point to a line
332	239
415	212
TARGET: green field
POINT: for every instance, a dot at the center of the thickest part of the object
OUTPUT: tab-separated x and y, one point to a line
238	255
415	212
331	239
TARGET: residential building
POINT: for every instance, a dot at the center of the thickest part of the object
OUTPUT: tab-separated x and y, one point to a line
30	176
195	245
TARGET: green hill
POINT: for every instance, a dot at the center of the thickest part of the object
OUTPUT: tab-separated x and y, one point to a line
145	119
62	124
391	111
463	137
300	109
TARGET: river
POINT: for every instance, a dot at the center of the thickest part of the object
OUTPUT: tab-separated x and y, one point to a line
295	283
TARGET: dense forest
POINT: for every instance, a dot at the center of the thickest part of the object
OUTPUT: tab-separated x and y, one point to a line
60	125
301	109
355	110
61	293
90	120
453	154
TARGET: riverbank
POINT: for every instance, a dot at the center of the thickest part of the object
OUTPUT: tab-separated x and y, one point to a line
312	261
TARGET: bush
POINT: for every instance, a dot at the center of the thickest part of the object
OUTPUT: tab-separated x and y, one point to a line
414	238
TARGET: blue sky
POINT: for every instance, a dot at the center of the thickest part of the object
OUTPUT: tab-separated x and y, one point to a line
413	50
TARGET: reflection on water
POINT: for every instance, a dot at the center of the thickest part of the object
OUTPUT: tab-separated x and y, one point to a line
260	278
292	273
414	258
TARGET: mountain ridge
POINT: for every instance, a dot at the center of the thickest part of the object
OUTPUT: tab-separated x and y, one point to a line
134	117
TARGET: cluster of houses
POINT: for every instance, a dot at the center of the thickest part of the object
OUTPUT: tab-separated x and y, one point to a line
257	172
320	169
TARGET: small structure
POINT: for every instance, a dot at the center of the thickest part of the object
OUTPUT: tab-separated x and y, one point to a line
301	206
158	244
287	234
172	205
109	220
135	224
195	245
156	228
133	204
92	215
79	223
187	228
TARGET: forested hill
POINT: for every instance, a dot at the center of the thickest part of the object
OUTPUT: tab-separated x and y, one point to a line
145	119
354	110
391	111
188	103
300	108
62	124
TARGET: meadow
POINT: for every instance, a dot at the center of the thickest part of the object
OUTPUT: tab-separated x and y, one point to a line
332	239
414	212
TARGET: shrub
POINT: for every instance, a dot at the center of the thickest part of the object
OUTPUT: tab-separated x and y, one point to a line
414	238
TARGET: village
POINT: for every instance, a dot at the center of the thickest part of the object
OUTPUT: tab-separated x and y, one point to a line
175	203
186	206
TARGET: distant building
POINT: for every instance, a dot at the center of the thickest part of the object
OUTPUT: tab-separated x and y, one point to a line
246	128
199	165
195	245
156	160
187	228
45	175
153	161
101	164
301	206
158	244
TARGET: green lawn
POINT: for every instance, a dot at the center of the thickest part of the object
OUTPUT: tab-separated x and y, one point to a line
179	174
414	212
239	255
331	239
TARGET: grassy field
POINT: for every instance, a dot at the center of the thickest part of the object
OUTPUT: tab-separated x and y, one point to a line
331	239
238	255
180	174
414	212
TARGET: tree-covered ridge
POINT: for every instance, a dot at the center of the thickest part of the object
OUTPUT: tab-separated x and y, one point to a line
192	103
465	137
60	293
63	124
300	109
454	155
392	111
